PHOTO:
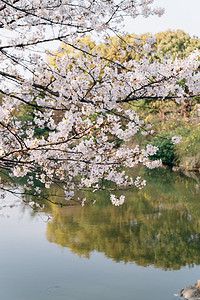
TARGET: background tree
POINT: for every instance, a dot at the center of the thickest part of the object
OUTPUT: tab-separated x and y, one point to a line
164	45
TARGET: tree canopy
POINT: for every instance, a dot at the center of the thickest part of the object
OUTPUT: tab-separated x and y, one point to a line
86	87
165	45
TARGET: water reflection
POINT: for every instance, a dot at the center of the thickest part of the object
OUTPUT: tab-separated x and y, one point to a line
159	225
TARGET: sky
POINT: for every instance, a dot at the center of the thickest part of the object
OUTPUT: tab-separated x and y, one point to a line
179	14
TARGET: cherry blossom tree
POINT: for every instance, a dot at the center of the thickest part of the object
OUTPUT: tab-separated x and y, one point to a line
86	90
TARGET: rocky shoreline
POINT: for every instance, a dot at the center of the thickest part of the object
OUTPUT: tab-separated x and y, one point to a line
191	292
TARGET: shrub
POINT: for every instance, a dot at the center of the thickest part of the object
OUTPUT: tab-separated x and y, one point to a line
166	150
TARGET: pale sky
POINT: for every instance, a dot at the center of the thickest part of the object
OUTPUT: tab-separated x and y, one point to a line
179	14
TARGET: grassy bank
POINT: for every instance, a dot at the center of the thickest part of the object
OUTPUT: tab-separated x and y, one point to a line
185	154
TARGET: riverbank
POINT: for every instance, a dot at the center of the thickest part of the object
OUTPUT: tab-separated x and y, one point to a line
191	292
183	156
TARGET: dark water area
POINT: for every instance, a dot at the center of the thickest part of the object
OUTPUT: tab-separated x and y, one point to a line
148	248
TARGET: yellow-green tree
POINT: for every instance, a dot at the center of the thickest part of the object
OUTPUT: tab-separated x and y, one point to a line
168	44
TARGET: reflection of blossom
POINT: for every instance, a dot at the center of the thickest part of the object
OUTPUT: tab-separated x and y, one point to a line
5	215
83	201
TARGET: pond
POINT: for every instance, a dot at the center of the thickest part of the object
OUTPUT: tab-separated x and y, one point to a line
149	248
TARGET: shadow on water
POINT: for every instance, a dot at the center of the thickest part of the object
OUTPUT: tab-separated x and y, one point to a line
158	225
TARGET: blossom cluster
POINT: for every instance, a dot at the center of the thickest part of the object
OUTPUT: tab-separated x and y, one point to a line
176	139
115	201
79	99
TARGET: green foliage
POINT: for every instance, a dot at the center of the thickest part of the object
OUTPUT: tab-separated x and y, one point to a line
172	44
166	150
169	44
188	150
26	115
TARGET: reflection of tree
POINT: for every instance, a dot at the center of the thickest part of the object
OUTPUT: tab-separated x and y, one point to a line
158	225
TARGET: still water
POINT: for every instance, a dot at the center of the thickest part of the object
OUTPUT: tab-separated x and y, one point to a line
149	248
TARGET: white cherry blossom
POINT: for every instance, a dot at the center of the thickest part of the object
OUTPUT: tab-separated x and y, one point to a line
78	100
